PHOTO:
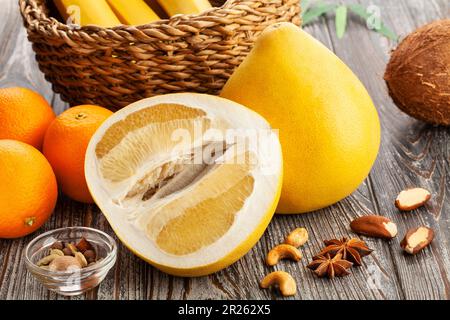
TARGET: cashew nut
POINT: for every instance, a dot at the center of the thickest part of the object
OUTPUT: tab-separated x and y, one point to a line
283	280
72	248
46	260
297	237
57	252
282	251
65	263
81	259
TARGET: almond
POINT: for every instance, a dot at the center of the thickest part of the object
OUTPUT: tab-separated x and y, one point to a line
411	199
374	226
83	245
416	239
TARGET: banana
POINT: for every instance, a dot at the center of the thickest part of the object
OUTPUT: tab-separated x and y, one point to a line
133	12
84	12
174	7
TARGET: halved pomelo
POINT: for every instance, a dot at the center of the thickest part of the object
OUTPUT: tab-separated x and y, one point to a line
188	182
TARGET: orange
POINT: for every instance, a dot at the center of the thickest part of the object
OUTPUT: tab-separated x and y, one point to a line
28	189
65	145
24	116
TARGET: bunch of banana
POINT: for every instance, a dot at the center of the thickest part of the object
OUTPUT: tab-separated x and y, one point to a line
84	12
173	7
110	13
133	12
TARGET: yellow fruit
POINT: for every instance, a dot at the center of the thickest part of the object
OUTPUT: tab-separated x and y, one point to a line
329	127
24	115
183	182
133	12
84	12
65	146
174	7
28	189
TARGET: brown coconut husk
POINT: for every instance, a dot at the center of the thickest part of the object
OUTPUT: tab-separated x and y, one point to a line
418	73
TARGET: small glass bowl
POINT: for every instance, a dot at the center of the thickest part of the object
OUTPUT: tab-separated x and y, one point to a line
71	283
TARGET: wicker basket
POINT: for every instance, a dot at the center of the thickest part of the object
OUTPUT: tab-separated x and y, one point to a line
114	67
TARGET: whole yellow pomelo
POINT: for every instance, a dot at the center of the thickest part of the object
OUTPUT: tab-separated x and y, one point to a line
328	126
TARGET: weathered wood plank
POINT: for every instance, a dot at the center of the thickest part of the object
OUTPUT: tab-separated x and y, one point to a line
412	153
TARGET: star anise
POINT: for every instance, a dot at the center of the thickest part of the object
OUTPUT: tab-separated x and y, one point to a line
352	250
326	265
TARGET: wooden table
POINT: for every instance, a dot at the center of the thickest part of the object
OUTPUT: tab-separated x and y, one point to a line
412	154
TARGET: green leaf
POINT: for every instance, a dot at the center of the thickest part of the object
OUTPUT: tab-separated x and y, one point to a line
341	21
379	27
359	10
316	11
305	4
388	32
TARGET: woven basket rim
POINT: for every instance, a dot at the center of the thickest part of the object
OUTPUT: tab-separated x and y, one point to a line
34	15
115	66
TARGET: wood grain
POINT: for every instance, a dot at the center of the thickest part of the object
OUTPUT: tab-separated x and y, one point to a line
412	154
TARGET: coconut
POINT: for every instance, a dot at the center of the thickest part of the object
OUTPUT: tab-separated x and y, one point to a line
418	73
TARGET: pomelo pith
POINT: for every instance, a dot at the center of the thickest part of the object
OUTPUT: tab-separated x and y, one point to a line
183	182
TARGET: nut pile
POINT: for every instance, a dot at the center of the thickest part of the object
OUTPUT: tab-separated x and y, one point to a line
376	226
287	250
340	255
68	256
